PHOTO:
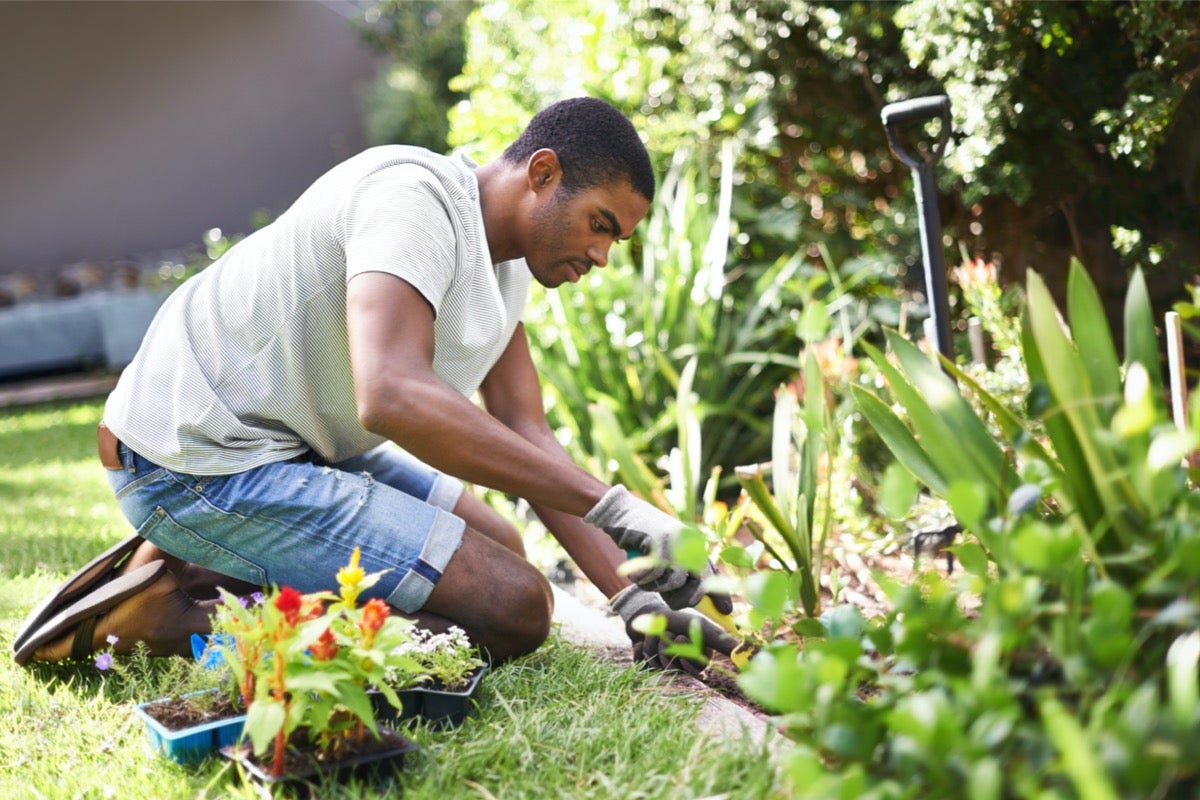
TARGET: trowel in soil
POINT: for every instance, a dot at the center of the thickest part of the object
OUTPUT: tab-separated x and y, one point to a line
742	653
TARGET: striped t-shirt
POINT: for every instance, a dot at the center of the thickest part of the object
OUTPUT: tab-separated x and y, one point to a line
248	363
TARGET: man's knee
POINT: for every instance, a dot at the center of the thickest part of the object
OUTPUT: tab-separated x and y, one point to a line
531	613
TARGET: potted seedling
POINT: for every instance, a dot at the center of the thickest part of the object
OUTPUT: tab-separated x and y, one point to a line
203	713
436	676
304	665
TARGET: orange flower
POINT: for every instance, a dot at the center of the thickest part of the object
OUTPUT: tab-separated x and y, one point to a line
325	647
975	273
374	613
311	607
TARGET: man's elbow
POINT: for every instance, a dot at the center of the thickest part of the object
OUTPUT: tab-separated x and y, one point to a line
379	408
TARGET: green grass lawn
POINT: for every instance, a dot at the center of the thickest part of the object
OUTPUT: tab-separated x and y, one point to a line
560	723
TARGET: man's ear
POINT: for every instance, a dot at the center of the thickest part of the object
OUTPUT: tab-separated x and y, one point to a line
543	170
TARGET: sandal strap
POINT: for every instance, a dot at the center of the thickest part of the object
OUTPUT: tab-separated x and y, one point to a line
81	647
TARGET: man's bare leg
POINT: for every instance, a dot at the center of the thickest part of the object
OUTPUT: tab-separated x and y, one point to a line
491	564
483	518
502	602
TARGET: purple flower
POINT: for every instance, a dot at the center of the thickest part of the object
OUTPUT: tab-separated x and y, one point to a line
104	661
112	639
257	597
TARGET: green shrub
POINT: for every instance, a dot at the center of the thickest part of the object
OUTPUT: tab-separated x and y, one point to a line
1074	673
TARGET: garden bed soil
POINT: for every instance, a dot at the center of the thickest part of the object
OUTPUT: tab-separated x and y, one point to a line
180	713
302	762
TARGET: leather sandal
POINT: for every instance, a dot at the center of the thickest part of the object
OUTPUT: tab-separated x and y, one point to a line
99	570
114	607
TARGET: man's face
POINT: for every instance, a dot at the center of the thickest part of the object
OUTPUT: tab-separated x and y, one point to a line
570	234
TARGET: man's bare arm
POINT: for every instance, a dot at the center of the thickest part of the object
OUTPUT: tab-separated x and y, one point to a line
400	397
512	393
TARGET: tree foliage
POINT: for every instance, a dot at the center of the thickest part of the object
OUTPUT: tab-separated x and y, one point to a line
423	41
1072	121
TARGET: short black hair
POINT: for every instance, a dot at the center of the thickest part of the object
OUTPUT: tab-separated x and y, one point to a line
595	144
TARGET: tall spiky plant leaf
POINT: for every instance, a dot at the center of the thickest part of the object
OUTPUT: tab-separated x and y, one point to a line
1097	351
900	441
1011	425
923	406
785	478
954	413
1078	493
687	421
1141	340
1067	379
631	469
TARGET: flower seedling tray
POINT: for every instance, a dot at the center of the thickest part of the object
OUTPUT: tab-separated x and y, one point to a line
193	744
376	757
441	707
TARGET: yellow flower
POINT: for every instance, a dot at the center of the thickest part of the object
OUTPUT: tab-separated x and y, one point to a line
350	576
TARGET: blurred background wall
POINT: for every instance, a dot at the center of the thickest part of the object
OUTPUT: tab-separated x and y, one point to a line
132	127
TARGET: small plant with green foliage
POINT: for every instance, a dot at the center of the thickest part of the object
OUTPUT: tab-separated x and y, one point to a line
306	663
797	507
442	660
1075	672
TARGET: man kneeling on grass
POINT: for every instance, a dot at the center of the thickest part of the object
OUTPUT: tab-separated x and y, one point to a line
309	393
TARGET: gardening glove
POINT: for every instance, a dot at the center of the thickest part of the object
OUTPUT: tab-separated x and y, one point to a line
638	527
632	602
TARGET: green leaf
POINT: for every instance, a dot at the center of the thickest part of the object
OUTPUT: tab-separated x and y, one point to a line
1096	349
1093	475
785	480
809	627
1014	428
1141	340
969	501
690	549
955	423
613	442
768	593
844	621
972	557
897	491
1045	549
304	679
814	322
900	440
756	489
1182	681
1078	756
736	556
264	718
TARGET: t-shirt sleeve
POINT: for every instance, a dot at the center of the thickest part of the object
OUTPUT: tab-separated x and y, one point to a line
397	220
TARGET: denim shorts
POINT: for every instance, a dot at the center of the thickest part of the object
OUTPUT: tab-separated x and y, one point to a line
296	522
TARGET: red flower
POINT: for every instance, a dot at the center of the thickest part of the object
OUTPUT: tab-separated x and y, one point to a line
326	647
288	602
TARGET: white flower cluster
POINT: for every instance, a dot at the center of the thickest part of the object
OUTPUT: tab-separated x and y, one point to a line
445	658
425	642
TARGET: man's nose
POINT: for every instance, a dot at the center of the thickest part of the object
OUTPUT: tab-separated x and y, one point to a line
598	255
